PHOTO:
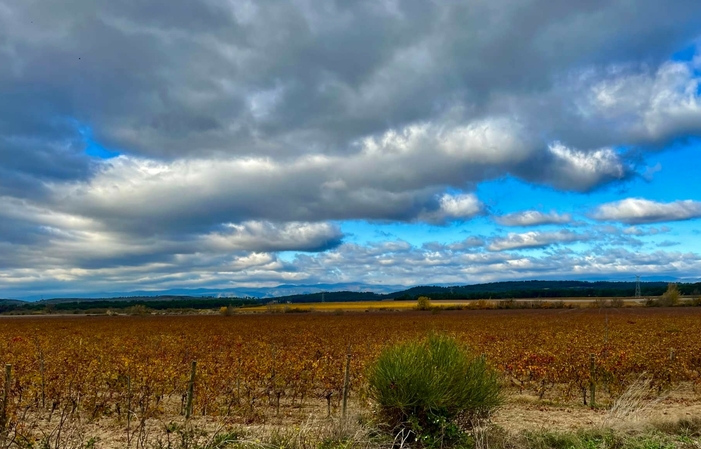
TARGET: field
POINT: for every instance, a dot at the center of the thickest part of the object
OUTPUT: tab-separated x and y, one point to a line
257	367
356	306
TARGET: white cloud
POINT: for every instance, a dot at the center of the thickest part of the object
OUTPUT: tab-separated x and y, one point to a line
454	207
639	211
269	237
584	170
634	230
532	218
534	239
650	105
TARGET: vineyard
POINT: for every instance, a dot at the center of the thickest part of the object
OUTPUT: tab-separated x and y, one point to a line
250	366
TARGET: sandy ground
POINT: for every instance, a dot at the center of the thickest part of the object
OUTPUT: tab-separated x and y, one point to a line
528	413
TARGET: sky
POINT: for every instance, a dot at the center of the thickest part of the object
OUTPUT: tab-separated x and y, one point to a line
155	145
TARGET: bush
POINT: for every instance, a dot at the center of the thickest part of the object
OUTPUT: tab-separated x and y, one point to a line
432	389
423	303
669	298
138	309
617	303
227	310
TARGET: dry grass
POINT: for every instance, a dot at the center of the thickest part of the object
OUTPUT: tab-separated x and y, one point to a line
634	404
644	429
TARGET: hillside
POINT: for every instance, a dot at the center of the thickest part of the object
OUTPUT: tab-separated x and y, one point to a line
493	290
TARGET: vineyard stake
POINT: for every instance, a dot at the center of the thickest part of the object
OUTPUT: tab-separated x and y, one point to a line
190	390
238	381
5	396
43	381
41	372
128	410
273	380
592	383
346	382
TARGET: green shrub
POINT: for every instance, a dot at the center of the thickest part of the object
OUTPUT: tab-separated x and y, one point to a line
432	389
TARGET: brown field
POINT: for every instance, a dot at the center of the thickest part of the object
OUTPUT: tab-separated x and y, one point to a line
258	369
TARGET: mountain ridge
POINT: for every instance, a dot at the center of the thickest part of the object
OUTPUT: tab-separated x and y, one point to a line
358	292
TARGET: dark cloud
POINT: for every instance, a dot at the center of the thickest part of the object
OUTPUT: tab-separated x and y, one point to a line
169	79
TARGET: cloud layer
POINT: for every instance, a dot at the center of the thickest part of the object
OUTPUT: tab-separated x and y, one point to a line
243	129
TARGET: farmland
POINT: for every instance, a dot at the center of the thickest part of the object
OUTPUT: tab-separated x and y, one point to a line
254	366
445	304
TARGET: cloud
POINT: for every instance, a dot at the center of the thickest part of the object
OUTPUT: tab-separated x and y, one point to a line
639	211
650	105
634	230
668	243
268	237
649	172
535	239
421	266
454	207
584	170
226	268
532	218
235	142
36	239
144	196
468	243
210	80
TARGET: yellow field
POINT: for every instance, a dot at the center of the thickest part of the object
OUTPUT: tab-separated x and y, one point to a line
334	306
409	305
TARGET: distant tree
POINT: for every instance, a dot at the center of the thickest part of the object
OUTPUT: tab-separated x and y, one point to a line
423	303
138	309
668	299
696	300
227	310
671	296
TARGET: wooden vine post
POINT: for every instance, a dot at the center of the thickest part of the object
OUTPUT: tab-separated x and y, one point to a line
190	390
41	372
5	396
592	380
128	410
346	383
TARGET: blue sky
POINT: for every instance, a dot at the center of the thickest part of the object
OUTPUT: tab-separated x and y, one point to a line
665	177
175	146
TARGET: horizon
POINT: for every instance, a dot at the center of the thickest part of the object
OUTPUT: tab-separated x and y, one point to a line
286	290
244	146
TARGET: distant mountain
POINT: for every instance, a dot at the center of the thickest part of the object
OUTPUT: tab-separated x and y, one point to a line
238	292
363	292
